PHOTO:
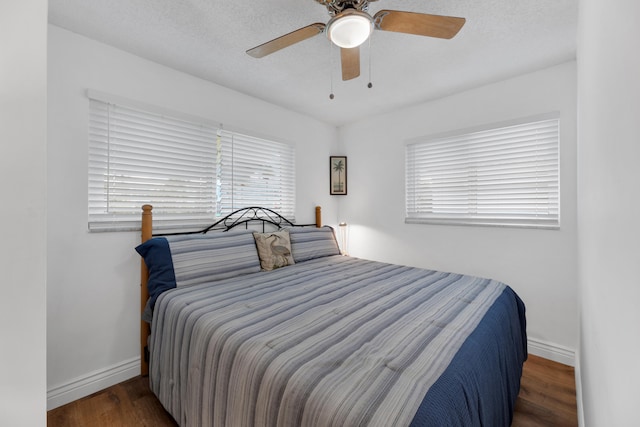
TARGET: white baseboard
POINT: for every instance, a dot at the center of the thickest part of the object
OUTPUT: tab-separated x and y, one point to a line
92	382
578	374
551	351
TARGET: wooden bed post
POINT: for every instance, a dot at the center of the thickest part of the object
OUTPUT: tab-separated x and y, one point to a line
145	330
318	216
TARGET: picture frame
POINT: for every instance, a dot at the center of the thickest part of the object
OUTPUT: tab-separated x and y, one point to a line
338	175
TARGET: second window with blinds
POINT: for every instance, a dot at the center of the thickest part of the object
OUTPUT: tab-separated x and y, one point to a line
506	175
190	170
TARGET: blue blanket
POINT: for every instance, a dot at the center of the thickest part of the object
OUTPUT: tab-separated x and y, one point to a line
481	385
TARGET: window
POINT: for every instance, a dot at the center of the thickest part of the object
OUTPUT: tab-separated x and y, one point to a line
189	170
505	176
261	174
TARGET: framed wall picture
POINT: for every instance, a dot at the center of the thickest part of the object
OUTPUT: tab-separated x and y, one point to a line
338	175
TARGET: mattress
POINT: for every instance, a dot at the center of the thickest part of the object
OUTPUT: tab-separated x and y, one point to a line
339	341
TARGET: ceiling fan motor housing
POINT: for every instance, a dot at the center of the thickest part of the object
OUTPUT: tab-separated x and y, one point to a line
335	7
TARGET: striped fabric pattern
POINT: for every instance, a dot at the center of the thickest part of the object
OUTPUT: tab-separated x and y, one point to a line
331	341
310	243
204	258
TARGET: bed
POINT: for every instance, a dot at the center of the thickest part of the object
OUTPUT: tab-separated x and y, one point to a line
292	333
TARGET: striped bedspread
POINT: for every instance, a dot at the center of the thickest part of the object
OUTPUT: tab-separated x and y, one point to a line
326	342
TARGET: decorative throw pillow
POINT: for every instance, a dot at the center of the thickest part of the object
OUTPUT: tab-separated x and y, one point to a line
274	249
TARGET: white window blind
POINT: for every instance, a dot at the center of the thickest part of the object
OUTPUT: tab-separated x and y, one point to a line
506	176
262	174
188	170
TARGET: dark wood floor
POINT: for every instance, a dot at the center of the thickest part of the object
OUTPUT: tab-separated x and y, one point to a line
547	398
547	395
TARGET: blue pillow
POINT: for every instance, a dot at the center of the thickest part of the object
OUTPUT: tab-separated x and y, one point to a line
309	243
157	257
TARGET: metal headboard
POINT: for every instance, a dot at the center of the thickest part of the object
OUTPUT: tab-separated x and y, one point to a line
244	216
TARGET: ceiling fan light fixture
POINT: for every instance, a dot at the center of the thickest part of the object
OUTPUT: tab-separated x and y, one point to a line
350	28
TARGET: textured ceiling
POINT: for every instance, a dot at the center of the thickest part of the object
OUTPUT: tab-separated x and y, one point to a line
208	39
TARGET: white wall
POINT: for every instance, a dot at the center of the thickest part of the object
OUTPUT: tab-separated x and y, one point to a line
540	265
609	211
23	138
93	278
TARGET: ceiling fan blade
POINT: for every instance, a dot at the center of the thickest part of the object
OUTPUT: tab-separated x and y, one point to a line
350	59
286	40
421	24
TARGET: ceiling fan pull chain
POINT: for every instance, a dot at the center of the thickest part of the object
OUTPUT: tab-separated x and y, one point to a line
370	85
331	96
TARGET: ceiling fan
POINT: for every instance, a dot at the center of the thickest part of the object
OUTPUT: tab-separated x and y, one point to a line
351	25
